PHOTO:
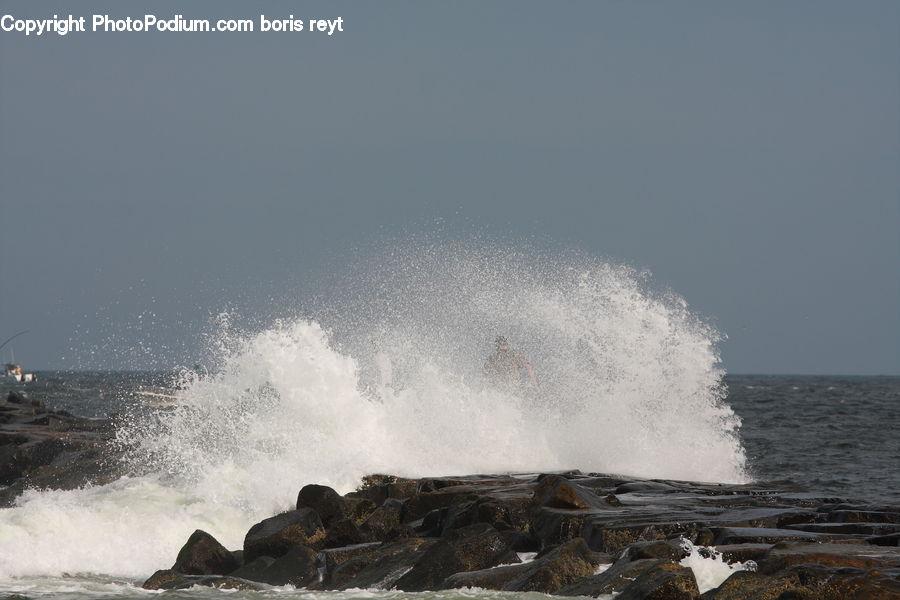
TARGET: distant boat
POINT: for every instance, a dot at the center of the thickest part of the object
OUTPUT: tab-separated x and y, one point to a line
14	371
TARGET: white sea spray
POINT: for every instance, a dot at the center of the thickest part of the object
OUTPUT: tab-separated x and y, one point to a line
629	382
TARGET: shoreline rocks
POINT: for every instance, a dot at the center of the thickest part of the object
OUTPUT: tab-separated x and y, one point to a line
580	535
44	447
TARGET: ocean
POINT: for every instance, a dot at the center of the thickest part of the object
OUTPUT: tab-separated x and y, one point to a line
391	380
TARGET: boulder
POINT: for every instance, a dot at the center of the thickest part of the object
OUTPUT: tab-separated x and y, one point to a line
487	579
743	585
667	581
673	550
423	503
856	556
557	492
204	555
383	519
277	535
359	509
379	569
558	568
611	580
325	501
471	548
335	556
298	567
343	532
379	488
172	580
822	583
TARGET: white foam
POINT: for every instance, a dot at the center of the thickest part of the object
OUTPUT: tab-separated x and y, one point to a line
709	567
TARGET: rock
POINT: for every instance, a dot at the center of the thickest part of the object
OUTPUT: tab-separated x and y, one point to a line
611	580
487	579
672	550
359	509
324	500
298	567
557	492
667	581
756	535
343	532
885	540
172	580
856	556
383	519
277	535
423	503
379	488
471	548
821	583
335	556
204	555
17	397
556	569
743	552
744	585
379	569
655	487
161	578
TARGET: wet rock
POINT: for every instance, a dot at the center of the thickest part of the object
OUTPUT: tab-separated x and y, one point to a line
611	580
468	549
857	556
17	397
423	503
297	567
325	501
335	556
277	535
343	532
379	488
872	529
35	452
820	583
747	585
885	540
655	487
673	550
359	509
504	514
556	569
755	535
487	579
558	492
382	568
743	552
667	581
204	555
161	578
383	519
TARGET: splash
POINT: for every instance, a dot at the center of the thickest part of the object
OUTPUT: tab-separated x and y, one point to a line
387	375
709	566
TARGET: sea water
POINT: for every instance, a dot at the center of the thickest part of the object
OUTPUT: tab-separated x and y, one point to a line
629	382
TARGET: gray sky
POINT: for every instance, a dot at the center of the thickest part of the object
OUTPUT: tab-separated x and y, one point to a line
745	153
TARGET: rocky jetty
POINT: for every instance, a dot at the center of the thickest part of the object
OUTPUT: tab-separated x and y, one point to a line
568	534
44	447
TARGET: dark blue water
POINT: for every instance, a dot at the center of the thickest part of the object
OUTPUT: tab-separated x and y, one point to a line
839	435
835	435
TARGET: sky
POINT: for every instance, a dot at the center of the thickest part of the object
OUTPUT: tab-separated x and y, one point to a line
746	154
